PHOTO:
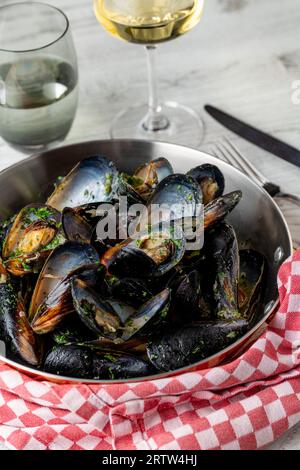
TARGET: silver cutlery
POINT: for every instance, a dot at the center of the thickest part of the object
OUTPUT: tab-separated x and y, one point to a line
230	153
288	203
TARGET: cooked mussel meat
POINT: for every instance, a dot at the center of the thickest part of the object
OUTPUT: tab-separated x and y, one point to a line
95	313
211	180
148	176
35	232
52	300
154	253
252	270
94	179
192	343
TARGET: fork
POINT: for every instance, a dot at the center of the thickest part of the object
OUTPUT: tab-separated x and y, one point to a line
229	153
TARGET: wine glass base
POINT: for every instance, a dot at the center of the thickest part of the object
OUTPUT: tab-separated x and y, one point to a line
33	149
185	126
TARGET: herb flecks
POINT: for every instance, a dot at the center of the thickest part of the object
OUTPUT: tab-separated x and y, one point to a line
108	183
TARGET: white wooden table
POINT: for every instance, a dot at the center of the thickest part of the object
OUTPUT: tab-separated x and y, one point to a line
243	57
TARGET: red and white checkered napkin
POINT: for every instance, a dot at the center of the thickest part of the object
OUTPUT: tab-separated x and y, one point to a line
243	405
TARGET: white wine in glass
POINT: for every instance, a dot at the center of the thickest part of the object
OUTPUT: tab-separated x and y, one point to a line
151	22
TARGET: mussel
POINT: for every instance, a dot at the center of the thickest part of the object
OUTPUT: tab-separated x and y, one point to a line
35	232
126	188
223	268
220	208
154	253
148	176
94	179
75	225
114	365
95	313
112	228
15	329
211	180
52	300
120	288
70	361
148	317
252	270
175	197
88	363
192	343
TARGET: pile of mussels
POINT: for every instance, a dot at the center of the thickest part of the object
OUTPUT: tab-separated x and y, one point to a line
75	305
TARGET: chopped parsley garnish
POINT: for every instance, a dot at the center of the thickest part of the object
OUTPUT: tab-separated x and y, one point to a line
108	183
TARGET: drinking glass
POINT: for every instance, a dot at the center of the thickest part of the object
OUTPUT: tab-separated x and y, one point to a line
151	22
38	76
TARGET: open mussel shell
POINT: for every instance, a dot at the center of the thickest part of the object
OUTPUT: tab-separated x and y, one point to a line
111	229
86	363
94	179
175	197
121	309
220	208
15	329
81	223
192	343
52	300
148	317
148	176
35	232
95	313
75	225
211	180
252	271
126	189
153	254
223	267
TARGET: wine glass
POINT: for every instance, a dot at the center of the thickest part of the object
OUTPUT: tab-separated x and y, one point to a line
38	76
151	22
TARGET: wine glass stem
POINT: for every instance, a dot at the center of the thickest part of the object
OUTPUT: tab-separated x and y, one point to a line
154	120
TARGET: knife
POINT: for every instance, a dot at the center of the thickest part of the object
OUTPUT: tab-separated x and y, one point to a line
256	137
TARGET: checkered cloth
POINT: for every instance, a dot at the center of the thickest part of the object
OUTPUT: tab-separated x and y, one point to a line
246	404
